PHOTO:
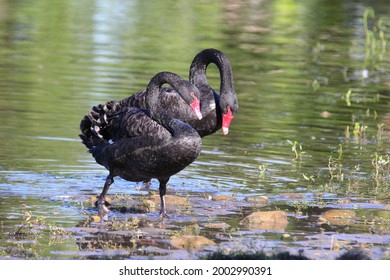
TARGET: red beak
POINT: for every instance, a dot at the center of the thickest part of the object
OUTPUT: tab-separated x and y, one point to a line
195	106
226	119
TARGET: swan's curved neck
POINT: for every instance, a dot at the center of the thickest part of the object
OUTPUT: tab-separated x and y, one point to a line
199	66
153	91
184	88
181	86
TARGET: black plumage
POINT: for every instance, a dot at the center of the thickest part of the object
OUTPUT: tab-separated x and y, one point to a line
217	109
139	144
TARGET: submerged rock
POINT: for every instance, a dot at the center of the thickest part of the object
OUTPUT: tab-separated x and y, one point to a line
171	199
266	220
344	201
258	199
223	198
339	217
292	195
190	242
221	225
95	218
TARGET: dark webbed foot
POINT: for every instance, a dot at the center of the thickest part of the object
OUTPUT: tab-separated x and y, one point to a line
106	203
102	208
164	215
101	203
163	190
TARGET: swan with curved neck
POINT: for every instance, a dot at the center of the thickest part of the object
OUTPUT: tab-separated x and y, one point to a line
227	99
217	110
138	144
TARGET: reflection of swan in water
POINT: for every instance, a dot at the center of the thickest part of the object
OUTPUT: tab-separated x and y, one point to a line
139	144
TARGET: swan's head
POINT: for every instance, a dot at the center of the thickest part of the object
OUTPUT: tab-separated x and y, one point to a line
229	107
191	96
187	91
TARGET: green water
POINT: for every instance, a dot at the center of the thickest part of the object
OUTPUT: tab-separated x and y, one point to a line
293	63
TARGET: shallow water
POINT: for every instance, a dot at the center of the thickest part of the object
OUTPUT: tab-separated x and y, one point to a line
293	66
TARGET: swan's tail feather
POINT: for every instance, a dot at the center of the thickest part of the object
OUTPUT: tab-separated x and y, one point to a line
91	142
94	126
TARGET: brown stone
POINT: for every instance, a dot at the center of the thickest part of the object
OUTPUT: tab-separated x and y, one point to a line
339	217
95	218
190	242
292	195
171	199
223	198
266	220
343	201
221	225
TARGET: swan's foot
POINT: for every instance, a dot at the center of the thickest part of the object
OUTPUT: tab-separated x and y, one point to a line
163	210
106	203
164	215
102	208
163	189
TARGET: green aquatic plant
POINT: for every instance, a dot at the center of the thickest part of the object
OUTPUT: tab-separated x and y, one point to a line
375	41
347	97
340	151
379	133
381	168
119	224
22	251
309	178
297	149
335	169
29	225
301	207
36	234
359	131
57	230
317	49
315	85
347	133
368	12
262	170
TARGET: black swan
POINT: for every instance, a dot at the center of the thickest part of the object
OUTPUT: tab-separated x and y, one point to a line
217	110
141	144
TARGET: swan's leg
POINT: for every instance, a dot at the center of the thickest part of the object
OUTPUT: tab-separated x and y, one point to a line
163	190
103	210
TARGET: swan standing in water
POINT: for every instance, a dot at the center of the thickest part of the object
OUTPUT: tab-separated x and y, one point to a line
141	144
